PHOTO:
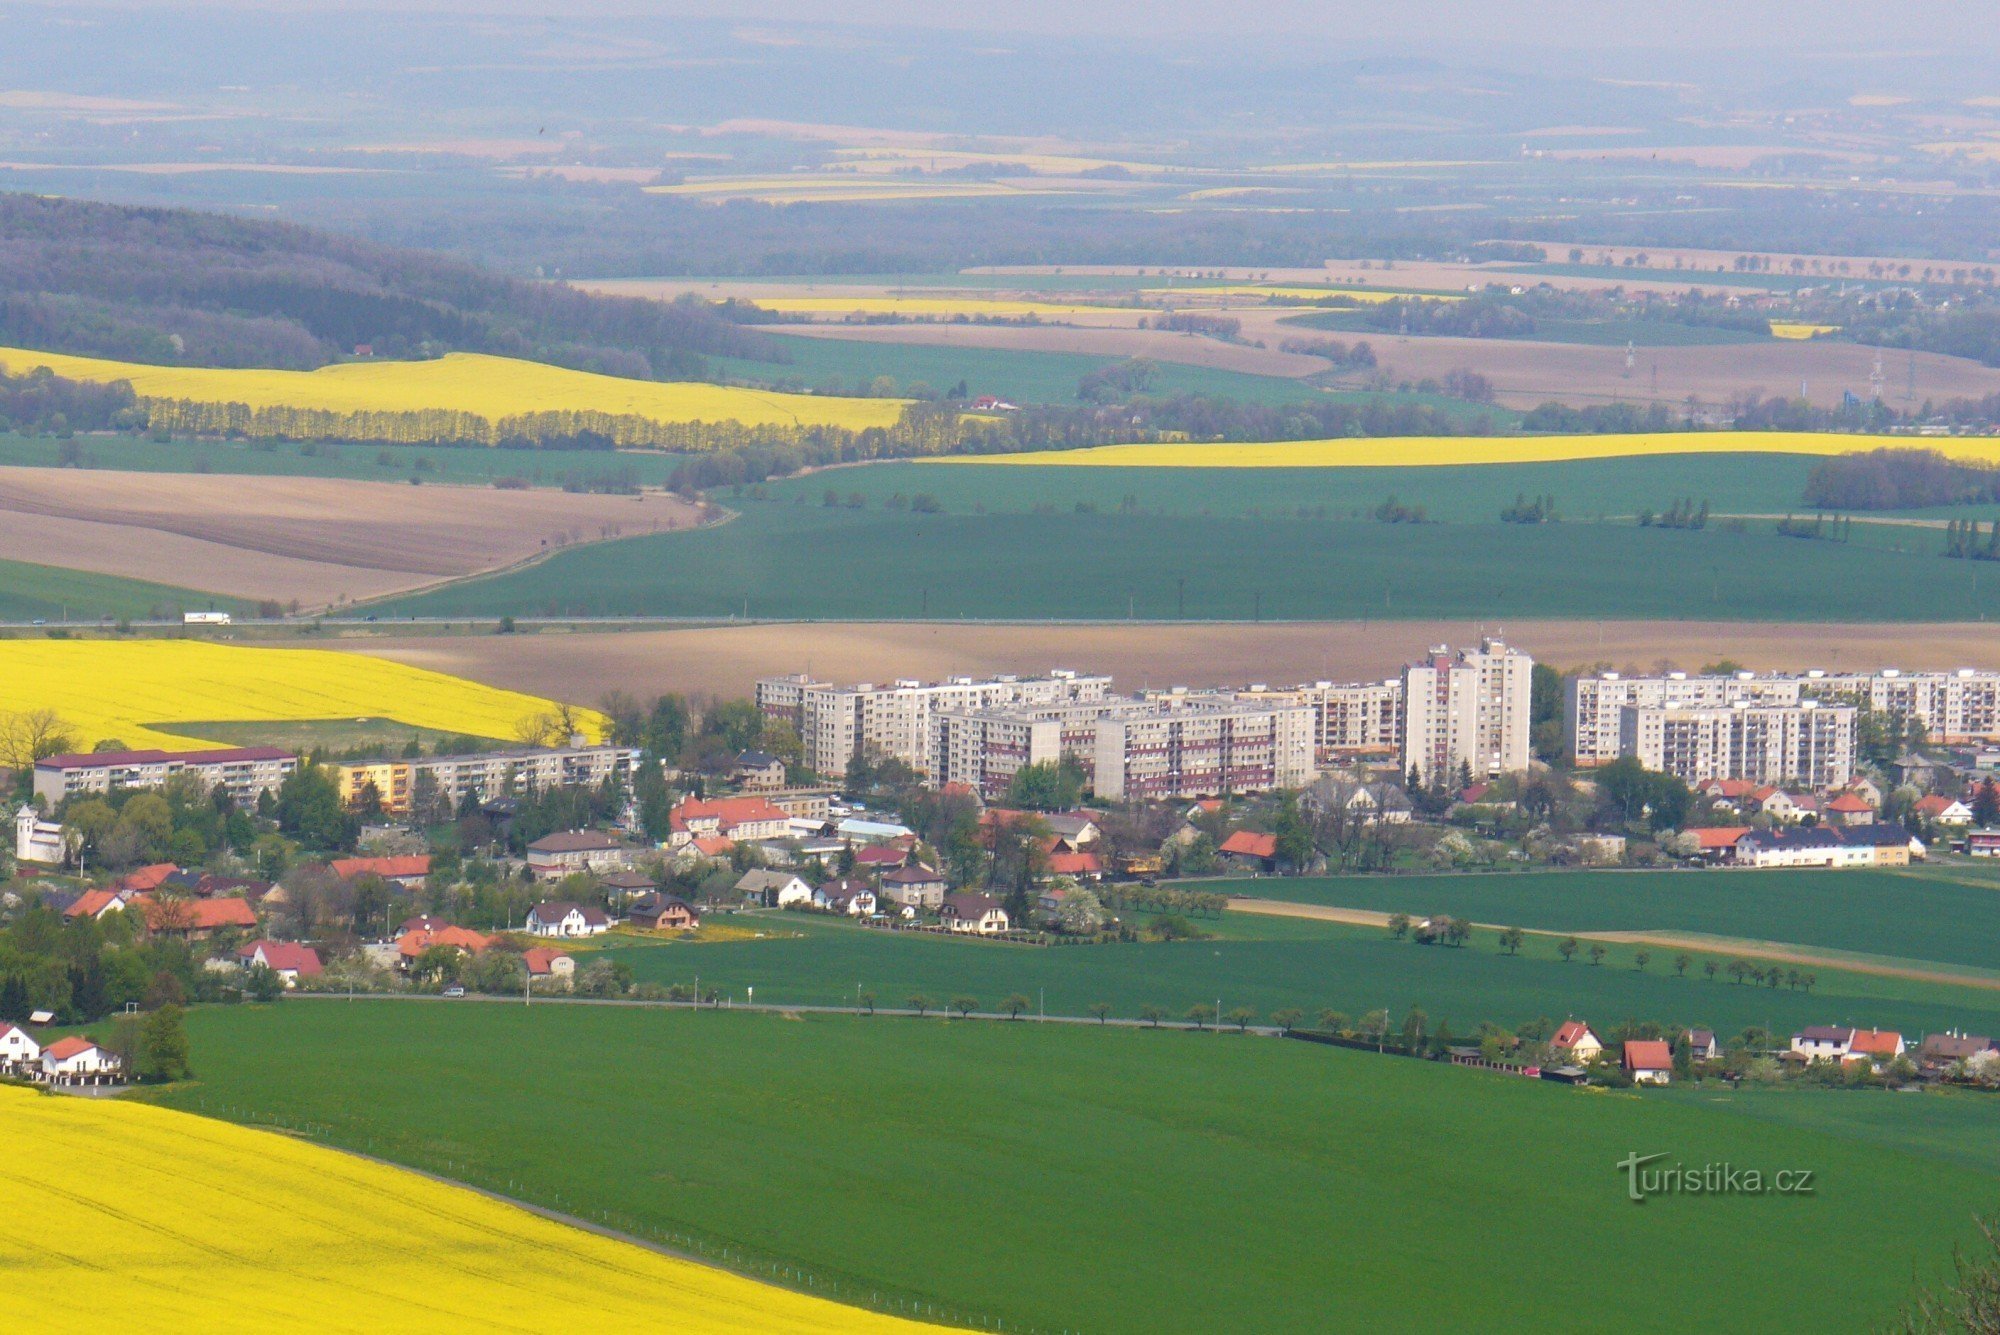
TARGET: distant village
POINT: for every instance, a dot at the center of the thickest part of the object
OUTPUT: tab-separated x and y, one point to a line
1018	809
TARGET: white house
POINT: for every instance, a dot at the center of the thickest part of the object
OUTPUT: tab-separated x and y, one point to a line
561	918
35	839
568	851
980	914
1575	1038
846	894
1820	1042
774	889
18	1047
1944	810
1648	1061
77	1061
287	959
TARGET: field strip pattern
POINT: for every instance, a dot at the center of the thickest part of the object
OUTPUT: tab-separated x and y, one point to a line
207	1225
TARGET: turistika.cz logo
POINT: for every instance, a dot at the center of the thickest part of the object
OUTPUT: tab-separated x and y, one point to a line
1646	1177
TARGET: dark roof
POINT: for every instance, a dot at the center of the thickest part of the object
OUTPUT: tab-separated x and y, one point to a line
102	759
970	905
557	910
917	875
1825	1033
1952	1047
649	906
628	880
1795	836
1886	834
842	886
757	760
572	841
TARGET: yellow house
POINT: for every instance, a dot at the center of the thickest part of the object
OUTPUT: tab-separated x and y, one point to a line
391	779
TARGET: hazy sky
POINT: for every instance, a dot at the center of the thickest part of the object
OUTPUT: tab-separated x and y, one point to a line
1958	26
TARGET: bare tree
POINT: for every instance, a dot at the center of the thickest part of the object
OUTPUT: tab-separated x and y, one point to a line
30	735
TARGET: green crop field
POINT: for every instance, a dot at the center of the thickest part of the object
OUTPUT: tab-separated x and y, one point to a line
793	556
1591	333
1270	963
1076	1178
1946	917
34	592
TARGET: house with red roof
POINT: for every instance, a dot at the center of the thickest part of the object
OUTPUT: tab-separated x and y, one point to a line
1732	791
1081	866
407	871
78	1060
1251	849
1879	1046
94	904
735	819
411	945
287	959
1944	810
1716	843
881	857
1648	1061
1850	809
194	919
548	963
1575	1039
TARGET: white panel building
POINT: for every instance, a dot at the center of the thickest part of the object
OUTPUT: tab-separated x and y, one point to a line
1467	711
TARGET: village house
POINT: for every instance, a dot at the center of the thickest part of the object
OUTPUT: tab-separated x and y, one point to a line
1701	1045
1939	1051
1731	793
78	1061
759	770
1893	846
1716	843
1251	850
287	959
1076	828
1574	1039
770	889
407	872
732	819
567	852
1850	808
657	911
94	904
1368	803
881	857
1648	1061
1983	843
1879	1046
1800	846
846	894
410	946
1943	810
18	1048
1818	1042
1782	807
546	962
562	918
977	914
915	887
622	887
194	919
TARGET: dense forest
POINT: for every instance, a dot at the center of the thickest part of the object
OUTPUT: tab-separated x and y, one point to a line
176	287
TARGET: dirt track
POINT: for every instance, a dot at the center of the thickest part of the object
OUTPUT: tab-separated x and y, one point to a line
726	660
1776	952
314	539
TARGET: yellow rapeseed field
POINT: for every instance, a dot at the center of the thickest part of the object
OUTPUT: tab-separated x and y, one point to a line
1798	329
135	690
1425	451
933	307
121	1216
491	387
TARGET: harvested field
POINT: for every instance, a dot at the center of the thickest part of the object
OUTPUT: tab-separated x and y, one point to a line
1426	275
1159	344
725	660
1526	373
319	540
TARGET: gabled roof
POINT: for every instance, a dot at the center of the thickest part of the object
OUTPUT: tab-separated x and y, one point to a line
1850	804
712	845
1702	1038
1951	1047
757	760
1251	844
728	812
969	905
555	910
124	759
95	903
876	855
65	1048
627	880
389	869
540	960
1886	834
1648	1054
1571	1033
658	902
283	955
412	944
1937	805
1075	864
1824	1033
916	874
423	922
1712	837
762	878
1730	788
196	915
1876	1042
147	878
574	841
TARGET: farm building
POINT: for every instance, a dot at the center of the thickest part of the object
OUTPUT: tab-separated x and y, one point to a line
1252	850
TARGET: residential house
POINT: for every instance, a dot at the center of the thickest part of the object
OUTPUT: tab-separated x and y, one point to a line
773	889
410	946
567	852
1939	1051
622	887
1648	1061
1983	843
562	918
1943	810
1782	807
18	1048
1819	1042
1251	850
1732	793
287	959
881	858
423	922
1850	808
846	894
94	904
1076	828
150	877
1079	866
194	919
1880	1046
977	914
1369	803
1893	845
915	887
1800	846
759	770
1716	843
1701	1045
78	1061
658	911
734	819
546	962
1574	1039
407	871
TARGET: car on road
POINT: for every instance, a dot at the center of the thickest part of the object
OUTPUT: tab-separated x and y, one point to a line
454	991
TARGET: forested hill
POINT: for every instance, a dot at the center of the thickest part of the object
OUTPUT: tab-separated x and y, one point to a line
177	287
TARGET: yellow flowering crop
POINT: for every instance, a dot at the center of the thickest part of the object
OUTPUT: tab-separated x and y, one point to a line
123	1216
1423	451
490	387
1368	296
1795	329
135	690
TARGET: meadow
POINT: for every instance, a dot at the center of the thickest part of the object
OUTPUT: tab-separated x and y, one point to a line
210	1226
485	386
1271	963
1071	1177
1947	915
31	592
137	692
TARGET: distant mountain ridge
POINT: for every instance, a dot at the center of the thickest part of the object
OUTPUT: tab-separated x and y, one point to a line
180	287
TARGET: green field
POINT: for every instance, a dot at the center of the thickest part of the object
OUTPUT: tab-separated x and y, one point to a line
33	592
1590	333
374	463
1141	546
1072	1178
1269	964
1947	917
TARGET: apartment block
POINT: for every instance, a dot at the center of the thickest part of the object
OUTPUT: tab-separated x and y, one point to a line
1954	708
244	772
1593	705
1350	720
1201	746
837	723
1467	711
1808	743
487	775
